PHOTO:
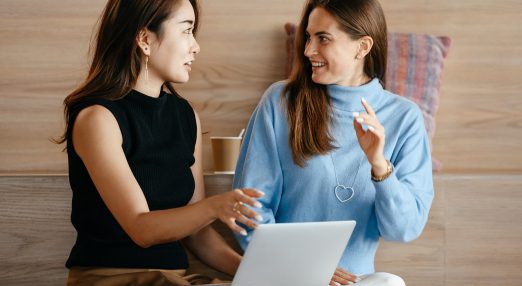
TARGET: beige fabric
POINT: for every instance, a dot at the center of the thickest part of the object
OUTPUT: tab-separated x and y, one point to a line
98	276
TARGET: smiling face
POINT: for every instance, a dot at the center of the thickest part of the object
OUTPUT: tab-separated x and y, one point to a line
334	56
172	54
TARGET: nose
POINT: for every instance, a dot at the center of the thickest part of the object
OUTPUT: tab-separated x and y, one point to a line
310	49
195	48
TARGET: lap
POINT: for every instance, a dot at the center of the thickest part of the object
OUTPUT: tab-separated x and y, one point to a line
101	276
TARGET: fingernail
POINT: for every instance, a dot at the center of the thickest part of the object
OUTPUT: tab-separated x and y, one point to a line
259	218
337	283
350	282
258	205
359	119
371	128
357	279
363	100
243	232
355	114
261	193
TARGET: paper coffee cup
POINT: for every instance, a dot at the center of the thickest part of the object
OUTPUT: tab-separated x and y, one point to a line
225	152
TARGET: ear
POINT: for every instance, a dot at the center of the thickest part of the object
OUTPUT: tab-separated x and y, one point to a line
143	40
365	46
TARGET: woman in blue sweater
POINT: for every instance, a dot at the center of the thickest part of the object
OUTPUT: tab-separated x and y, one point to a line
331	144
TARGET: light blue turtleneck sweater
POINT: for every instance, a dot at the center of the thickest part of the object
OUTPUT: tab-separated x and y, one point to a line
395	209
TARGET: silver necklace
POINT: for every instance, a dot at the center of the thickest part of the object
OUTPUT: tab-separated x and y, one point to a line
343	193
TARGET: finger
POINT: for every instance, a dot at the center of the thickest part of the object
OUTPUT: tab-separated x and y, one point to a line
231	223
248	222
366	119
343	272
343	280
241	197
374	130
254	193
344	277
367	107
246	211
358	129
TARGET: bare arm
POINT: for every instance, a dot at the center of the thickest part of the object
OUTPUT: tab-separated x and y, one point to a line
97	140
211	248
207	244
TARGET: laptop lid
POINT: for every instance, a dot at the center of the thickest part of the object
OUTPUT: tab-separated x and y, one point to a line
293	254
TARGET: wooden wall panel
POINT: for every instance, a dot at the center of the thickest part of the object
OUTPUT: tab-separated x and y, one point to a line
479	120
472	237
44	55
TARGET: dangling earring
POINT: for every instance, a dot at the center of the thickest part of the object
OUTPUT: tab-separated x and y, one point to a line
147	68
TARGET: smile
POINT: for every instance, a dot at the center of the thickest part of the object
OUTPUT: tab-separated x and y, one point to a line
318	64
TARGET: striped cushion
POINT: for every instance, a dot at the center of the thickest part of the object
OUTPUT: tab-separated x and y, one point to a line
414	67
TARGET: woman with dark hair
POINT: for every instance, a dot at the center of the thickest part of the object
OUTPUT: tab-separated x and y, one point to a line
331	144
134	151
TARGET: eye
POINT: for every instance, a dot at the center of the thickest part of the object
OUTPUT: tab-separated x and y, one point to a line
189	30
323	39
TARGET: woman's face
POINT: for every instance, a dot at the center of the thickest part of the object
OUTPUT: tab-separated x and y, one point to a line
331	51
171	56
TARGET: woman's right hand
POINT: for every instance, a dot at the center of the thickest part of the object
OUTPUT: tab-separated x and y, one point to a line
231	207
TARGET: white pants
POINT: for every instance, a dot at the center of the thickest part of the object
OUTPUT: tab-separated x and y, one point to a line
380	279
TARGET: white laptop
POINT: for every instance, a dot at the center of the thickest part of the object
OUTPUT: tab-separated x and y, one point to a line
301	254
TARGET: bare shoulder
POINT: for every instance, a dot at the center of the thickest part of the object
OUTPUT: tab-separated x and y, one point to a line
93	125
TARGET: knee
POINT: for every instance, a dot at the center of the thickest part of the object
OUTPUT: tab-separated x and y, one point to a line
388	279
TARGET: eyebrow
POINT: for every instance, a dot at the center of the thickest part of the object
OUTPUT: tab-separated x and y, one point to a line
187	21
320	33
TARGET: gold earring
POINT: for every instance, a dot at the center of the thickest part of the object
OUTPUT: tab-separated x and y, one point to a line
146	68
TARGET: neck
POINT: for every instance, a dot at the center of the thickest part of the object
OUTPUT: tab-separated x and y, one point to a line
356	80
150	87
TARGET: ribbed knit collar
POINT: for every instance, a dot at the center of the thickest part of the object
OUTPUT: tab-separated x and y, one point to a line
142	98
347	98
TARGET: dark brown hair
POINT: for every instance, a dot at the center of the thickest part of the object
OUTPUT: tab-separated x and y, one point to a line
117	59
308	103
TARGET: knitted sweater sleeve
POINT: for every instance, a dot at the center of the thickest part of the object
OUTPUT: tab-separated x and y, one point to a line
259	165
403	200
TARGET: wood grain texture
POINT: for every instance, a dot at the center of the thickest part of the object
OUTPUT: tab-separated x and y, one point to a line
44	56
472	237
479	120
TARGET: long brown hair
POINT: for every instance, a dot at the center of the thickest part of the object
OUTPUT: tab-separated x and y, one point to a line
117	60
308	103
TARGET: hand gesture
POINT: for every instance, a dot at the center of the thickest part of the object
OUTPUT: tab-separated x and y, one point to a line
371	140
231	207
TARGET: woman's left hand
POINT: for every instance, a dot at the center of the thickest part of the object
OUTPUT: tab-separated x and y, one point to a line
371	140
343	277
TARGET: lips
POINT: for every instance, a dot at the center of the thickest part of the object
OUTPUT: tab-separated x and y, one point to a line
317	64
188	65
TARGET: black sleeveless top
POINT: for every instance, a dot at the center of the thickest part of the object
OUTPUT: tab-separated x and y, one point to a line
159	136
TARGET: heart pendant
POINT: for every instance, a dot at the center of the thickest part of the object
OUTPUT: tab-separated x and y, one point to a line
343	193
